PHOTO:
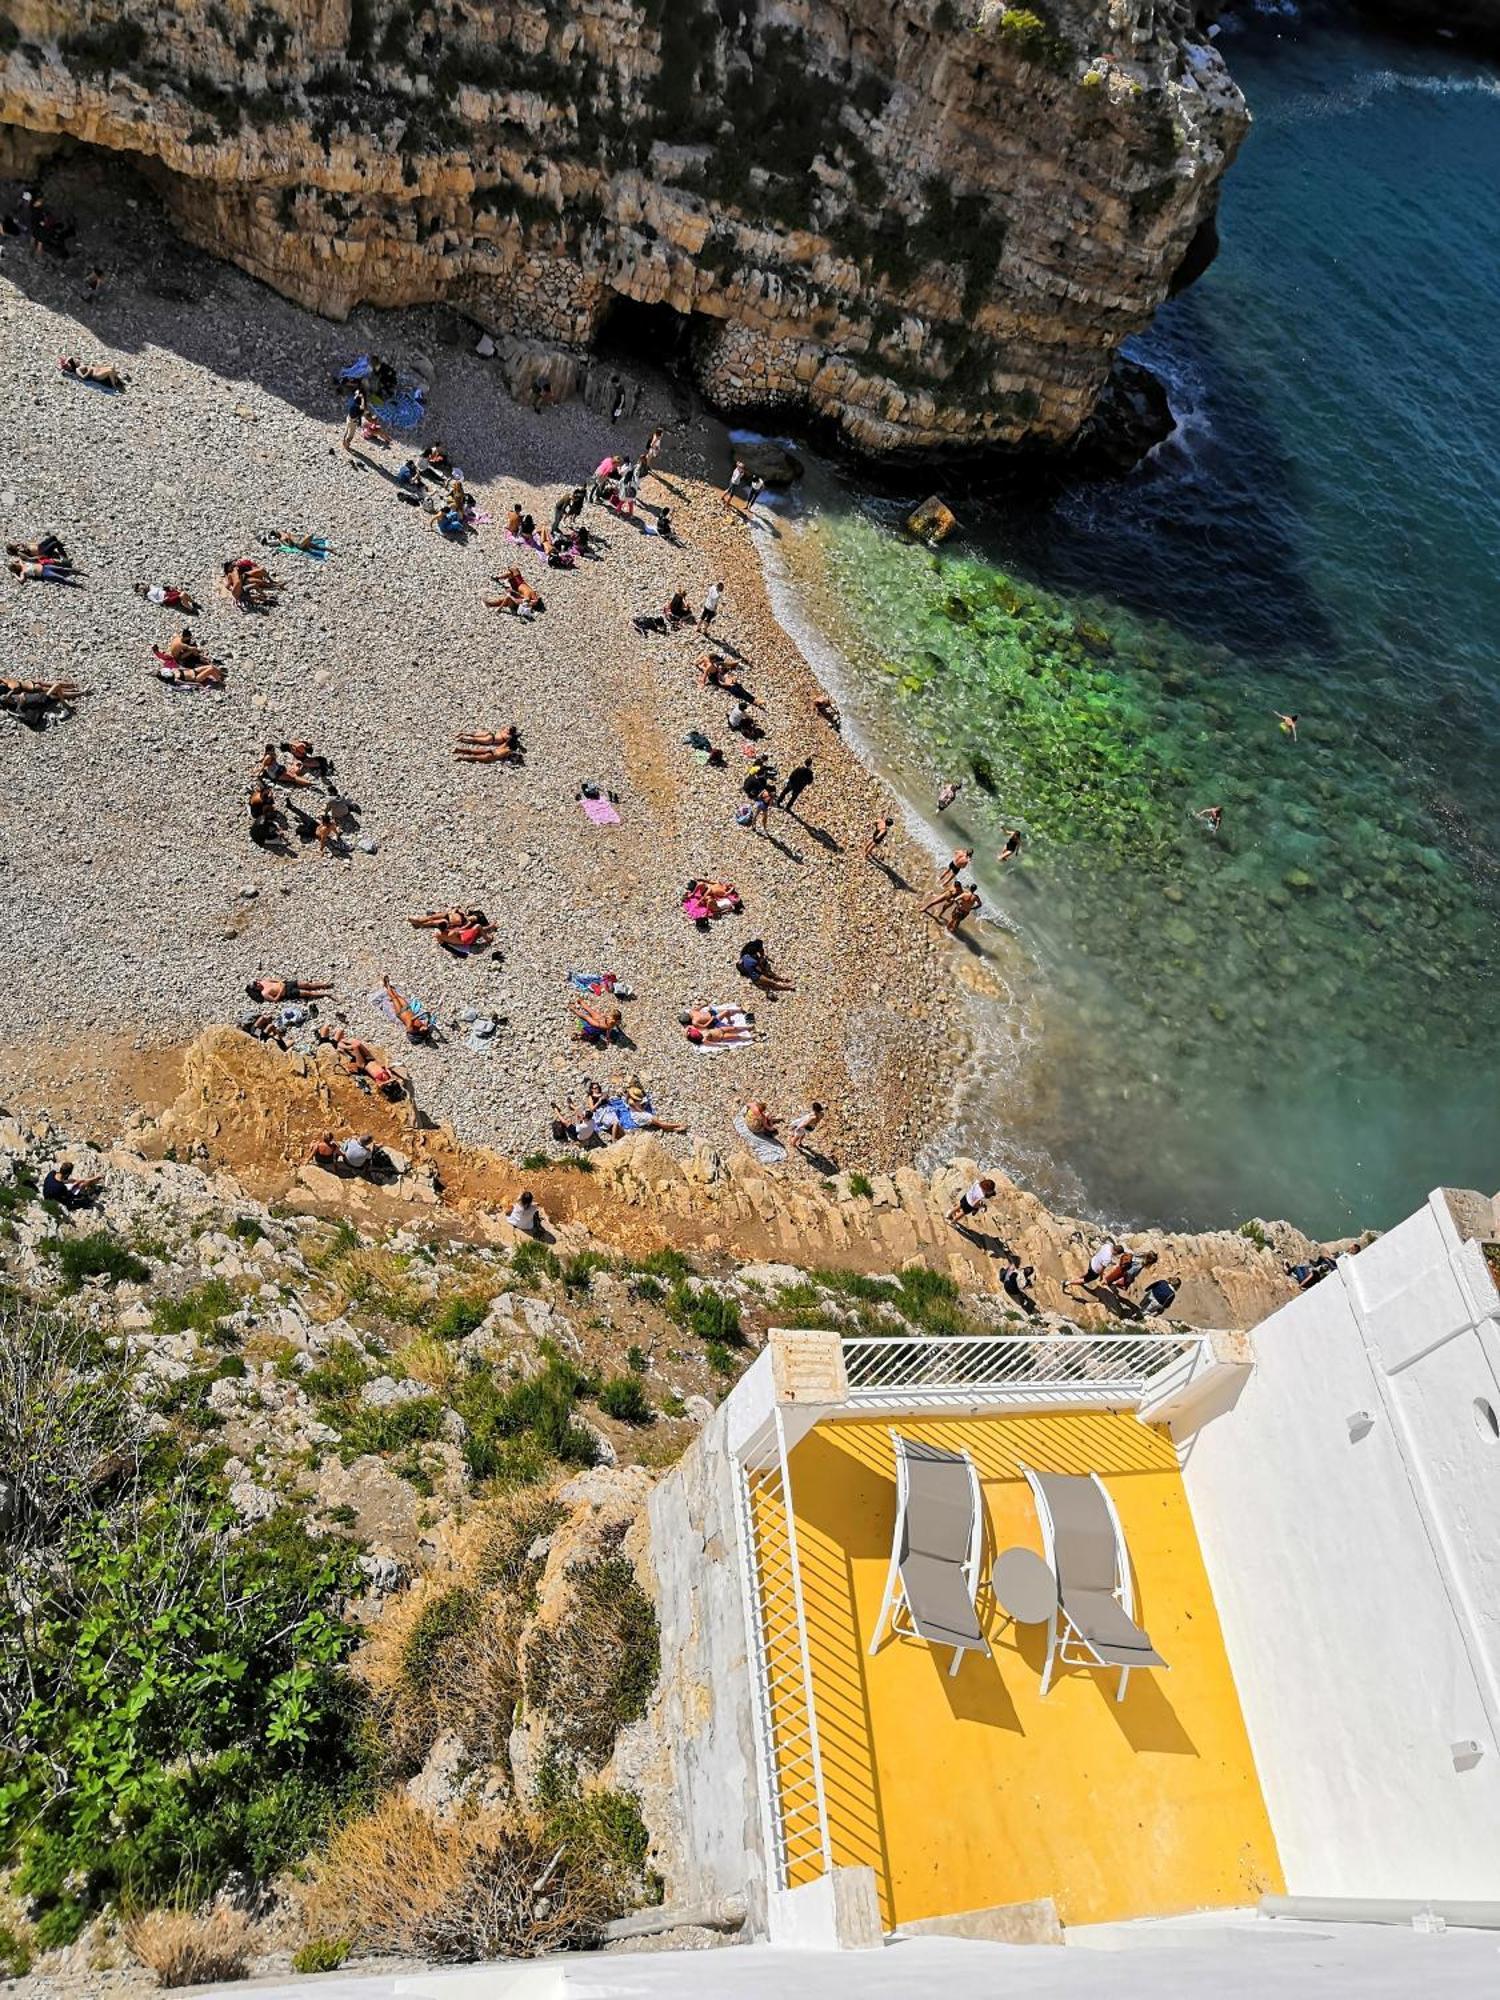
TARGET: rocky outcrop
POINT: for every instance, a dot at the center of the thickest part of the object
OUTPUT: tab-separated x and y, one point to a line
929	223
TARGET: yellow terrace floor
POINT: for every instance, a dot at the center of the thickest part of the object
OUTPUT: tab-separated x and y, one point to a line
972	1791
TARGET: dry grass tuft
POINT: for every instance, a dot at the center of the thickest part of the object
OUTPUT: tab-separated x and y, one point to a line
486	1885
187	1950
431	1361
445	1656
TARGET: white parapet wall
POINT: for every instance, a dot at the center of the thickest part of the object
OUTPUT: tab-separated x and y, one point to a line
1348	1507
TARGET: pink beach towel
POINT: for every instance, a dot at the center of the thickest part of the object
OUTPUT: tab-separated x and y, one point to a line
600	811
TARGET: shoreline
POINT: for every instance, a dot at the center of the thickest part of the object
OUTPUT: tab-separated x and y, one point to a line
132	842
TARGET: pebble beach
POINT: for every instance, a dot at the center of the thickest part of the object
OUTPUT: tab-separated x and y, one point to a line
138	906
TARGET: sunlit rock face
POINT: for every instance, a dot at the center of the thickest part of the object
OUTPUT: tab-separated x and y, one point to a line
928	224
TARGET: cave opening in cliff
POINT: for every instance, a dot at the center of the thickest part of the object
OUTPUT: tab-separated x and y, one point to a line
632	330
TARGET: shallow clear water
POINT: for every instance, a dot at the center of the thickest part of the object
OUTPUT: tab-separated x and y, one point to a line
1299	1016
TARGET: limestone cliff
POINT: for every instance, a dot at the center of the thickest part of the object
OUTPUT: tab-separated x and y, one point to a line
930	222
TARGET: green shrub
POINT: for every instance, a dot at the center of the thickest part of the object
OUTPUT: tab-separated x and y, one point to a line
635	1359
668	1264
459	1316
182	1713
623	1398
435	1625
15	1954
514	1433
339	1376
1033	40
196	1311
650	1291
580	1268
393	1427
595	1671
94	1255
1253	1232
861	1186
246	1229
530	1261
322	1954
713	1316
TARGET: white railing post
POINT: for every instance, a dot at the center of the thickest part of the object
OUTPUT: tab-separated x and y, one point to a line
790	1765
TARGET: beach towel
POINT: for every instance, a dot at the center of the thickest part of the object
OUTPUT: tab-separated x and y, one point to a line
357	370
594	982
767	1151
600	811
406	409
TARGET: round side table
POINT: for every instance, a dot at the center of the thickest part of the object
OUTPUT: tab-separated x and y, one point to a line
1025	1589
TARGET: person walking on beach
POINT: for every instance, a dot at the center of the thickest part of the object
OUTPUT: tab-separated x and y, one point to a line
760	817
355	411
960	910
711	605
648	458
797	781
957	862
618	409
735	477
877	837
753	492
1288	723
942	901
804	1125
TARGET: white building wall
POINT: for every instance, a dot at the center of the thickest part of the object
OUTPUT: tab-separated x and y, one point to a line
1348	1507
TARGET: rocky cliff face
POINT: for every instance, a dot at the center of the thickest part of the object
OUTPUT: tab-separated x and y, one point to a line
930	222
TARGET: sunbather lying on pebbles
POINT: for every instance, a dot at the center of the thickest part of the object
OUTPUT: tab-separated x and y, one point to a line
276	771
274	991
417	1022
49	571
304	762
249	584
171	597
595	1020
82	371
46	548
266	1028
306	545
457	930
31	700
706	900
210	674
717	1025
489	746
357	1058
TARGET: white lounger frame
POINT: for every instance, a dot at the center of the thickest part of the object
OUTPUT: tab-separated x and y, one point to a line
902	1628
1061	1631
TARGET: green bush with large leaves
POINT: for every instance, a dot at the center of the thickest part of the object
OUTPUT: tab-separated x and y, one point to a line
172	1705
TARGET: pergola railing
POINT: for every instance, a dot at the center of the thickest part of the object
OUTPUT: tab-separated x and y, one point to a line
923	1371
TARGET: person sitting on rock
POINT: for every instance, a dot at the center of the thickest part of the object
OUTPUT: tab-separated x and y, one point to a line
525	1215
677	611
59	1185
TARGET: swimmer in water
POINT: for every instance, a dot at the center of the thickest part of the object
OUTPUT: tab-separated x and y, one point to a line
1012	846
1288	723
1210	816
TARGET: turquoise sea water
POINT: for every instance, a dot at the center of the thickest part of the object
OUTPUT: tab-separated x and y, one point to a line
1298	1017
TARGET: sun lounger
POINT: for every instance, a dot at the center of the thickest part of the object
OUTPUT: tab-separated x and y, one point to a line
1084	1544
934	1573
